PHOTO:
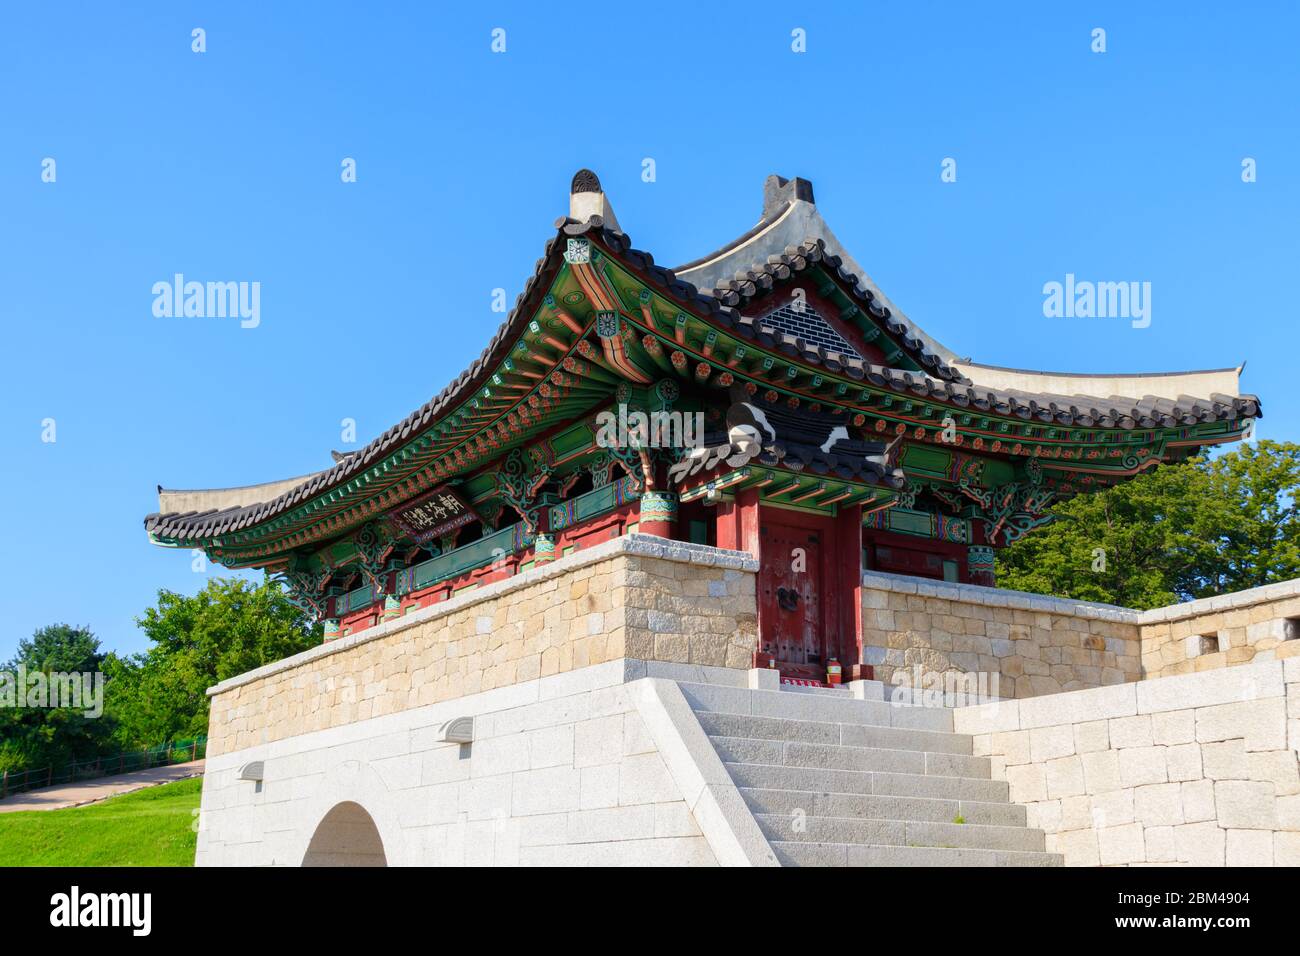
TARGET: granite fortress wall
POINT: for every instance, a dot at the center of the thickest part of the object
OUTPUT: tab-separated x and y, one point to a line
1043	645
571	769
636	597
1034	644
1248	626
586	751
1198	769
650	599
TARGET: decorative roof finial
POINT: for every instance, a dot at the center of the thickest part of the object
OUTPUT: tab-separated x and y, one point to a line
778	191
587	199
585	181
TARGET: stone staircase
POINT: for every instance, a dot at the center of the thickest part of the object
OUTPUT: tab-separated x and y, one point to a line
836	781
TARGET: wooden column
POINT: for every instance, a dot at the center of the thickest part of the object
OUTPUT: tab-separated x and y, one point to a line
848	561
658	514
737	522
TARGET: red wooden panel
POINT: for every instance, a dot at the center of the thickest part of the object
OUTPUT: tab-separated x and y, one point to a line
795	607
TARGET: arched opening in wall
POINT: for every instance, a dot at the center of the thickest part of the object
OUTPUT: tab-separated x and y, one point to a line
346	837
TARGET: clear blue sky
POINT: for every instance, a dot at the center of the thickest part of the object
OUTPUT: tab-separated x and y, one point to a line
225	166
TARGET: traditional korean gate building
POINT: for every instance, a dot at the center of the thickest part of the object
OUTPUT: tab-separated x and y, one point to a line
573	602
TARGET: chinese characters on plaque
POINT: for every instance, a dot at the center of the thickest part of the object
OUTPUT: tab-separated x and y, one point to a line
433	514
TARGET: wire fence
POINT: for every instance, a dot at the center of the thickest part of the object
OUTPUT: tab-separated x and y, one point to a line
177	751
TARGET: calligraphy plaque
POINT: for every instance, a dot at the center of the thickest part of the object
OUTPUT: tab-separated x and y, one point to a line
433	514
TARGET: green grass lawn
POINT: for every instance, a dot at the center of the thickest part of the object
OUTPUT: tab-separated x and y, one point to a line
152	827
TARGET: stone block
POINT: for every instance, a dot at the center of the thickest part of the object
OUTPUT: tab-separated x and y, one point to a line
546	791
1173	727
987	718
1200	844
645	779
1121	845
1064	777
1013	746
1130	732
1047	743
1091	735
1184	761
1097	703
1249	848
1101	771
674	820
1079	847
1209	688
1288	812
551	747
1113	808
1028	783
1279	767
1076	813
598	741
612	824
1198	801
1262	723
1045	816
1224	760
1159	804
598	787
1160	845
1245	804
1286	849
1142	765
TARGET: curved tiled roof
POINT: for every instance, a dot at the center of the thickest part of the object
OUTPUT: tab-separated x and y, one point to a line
942	384
224	521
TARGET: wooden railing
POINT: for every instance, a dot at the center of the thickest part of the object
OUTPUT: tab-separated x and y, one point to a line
178	751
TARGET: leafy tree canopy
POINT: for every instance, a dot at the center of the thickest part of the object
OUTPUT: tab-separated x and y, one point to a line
1207	526
150	698
40	736
229	627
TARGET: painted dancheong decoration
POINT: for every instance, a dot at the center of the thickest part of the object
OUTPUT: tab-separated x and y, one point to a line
833	433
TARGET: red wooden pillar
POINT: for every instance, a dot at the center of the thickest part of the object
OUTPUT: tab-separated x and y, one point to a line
979	558
737	522
658	514
848	584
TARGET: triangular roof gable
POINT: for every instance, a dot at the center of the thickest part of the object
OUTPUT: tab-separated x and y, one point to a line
864	320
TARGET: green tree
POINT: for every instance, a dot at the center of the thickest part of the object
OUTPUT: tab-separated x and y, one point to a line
229	627
32	737
1203	527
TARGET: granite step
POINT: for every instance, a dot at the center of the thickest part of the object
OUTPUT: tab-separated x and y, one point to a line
829	707
833	780
825	732
851	854
849	830
831	757
780	777
873	807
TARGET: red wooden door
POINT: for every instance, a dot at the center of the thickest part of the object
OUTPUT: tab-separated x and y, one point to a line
790	597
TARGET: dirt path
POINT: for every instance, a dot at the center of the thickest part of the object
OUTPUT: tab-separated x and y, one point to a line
101	788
